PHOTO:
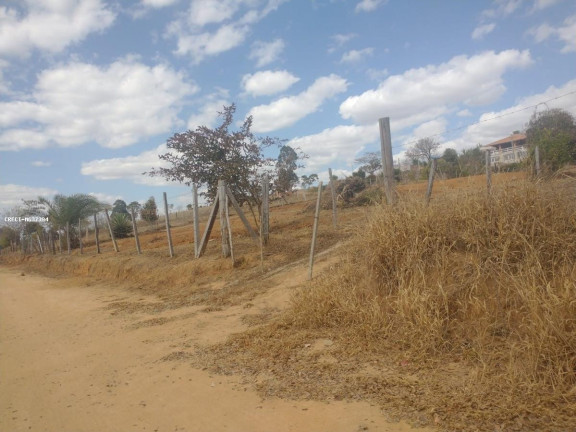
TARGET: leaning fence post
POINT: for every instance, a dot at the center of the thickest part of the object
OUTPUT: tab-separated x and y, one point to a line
196	221
314	231
40	243
111	231
209	226
229	228
240	214
170	247
135	227
333	193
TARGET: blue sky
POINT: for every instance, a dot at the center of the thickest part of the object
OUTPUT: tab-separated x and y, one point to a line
90	90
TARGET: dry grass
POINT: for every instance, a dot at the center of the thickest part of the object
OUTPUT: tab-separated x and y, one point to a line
459	315
487	280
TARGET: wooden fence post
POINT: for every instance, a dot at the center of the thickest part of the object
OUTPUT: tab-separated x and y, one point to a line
223	222
488	172
387	161
537	160
314	231
241	215
196	221
59	242
431	180
40	243
80	236
209	226
265	213
229	228
68	237
52	246
135	227
170	247
334	203
111	232
96	234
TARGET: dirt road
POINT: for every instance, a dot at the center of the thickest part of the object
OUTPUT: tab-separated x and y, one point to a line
69	364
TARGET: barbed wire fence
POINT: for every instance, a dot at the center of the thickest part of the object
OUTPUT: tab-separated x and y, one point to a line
49	241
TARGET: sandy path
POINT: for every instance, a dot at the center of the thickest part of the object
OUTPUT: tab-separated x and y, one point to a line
68	365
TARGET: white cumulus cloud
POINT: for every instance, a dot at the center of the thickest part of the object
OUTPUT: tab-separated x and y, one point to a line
128	168
565	33
234	17
207	44
502	8
50	25
482	30
335	145
424	93
77	103
12	195
354	56
369	5
266	52
203	12
41	164
543	4
158	3
265	83
288	110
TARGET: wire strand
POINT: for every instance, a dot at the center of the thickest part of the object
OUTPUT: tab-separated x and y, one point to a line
487	120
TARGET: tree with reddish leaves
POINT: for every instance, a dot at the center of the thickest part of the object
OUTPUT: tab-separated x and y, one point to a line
204	156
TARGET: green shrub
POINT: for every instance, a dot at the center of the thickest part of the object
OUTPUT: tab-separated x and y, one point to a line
121	225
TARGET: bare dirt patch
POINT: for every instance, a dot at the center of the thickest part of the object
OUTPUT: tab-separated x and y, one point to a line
67	364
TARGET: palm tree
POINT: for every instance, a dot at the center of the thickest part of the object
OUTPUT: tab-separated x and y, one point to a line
64	211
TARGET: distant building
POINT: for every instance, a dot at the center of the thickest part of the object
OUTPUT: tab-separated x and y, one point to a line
508	150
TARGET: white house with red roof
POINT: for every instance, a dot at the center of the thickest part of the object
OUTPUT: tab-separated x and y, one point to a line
508	150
